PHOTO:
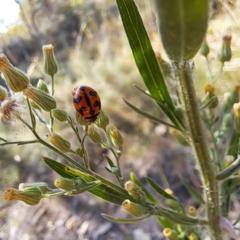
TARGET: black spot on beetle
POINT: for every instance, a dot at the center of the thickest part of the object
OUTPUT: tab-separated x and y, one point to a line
77	99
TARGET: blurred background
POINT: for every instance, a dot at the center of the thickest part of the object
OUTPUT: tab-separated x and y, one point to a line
91	49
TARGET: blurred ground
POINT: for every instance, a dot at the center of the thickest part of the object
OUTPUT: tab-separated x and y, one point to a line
92	49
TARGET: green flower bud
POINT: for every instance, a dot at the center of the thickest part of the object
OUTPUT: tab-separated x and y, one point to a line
134	191
65	184
80	119
227	121
204	50
165	67
192	211
193	236
16	79
179	136
42	186
102	120
116	137
170	234
229	99
133	208
59	142
236	110
45	101
31	196
179	112
210	89
3	93
228	160
225	53
42	86
173	204
59	114
93	135
182	26
50	63
169	191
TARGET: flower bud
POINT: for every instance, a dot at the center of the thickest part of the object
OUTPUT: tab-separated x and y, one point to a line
134	190
50	63
170	234
59	142
31	196
228	160
182	32
116	137
173	204
133	208
42	86
165	67
80	119
227	121
16	79
42	186
193	236
204	50
210	89
59	114
169	191
102	120
65	184
93	135
225	54
179	112
179	136
45	101
192	211
3	93
236	110
230	98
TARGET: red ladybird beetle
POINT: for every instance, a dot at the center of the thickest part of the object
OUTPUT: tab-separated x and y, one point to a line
87	102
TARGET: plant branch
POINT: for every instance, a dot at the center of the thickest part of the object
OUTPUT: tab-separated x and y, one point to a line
199	145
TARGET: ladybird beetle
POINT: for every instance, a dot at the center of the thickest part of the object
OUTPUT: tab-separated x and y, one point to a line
87	102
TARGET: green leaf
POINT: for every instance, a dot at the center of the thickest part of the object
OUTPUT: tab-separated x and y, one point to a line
143	52
192	191
149	116
230	170
101	191
110	162
159	190
124	220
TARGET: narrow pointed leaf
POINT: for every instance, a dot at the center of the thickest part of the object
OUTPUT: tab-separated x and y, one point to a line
143	52
149	116
101	191
110	162
192	191
230	170
159	190
124	220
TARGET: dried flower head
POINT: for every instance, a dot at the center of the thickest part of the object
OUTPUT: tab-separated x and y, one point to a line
12	108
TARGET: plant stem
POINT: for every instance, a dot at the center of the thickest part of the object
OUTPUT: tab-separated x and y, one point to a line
199	145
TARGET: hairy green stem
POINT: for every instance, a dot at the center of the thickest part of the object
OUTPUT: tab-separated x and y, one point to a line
199	145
